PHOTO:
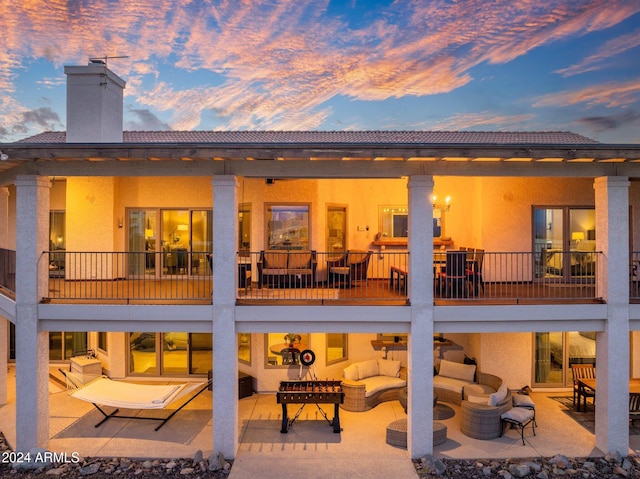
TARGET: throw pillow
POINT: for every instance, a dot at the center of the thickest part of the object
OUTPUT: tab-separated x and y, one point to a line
389	367
351	372
498	396
449	369
366	369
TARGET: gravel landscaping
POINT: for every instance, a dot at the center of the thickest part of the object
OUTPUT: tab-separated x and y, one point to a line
609	466
42	464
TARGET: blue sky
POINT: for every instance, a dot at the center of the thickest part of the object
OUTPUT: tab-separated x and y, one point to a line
507	65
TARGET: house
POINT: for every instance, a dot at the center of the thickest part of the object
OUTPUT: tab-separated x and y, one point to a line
140	244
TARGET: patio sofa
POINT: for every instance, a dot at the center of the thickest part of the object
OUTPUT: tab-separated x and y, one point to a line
369	383
483	397
287	268
451	379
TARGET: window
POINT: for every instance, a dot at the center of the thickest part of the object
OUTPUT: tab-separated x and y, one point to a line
337	349
244	348
336	238
287	226
57	231
555	352
278	344
244	229
57	242
173	241
170	353
102	341
62	345
564	242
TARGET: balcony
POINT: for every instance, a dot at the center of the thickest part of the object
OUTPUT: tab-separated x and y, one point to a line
325	279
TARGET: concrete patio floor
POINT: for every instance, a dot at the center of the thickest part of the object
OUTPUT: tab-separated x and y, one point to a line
310	449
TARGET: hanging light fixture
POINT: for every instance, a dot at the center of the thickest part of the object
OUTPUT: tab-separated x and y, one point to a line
442	205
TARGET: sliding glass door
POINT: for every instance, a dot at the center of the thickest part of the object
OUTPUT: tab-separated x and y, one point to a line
171	242
556	351
170	354
564	242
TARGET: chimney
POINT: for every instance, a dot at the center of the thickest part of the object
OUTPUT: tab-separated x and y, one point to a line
94	104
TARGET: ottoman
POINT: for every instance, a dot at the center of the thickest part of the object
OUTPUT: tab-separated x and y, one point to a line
397	433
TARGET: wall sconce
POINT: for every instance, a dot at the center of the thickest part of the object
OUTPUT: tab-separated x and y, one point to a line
441	205
120	223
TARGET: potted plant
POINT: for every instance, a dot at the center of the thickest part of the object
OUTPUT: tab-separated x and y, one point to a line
292	338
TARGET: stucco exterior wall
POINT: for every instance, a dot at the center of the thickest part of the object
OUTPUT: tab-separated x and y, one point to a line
268	378
509	356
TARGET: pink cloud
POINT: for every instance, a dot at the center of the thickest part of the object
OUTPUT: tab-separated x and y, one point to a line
611	94
604	54
484	119
275	63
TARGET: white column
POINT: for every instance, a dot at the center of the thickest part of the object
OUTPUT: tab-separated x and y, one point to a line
612	345
4	218
4	342
4	324
225	350
420	356
32	345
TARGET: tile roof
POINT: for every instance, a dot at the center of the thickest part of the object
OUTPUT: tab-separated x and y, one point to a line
339	137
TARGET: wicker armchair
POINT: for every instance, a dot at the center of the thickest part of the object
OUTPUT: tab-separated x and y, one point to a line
481	421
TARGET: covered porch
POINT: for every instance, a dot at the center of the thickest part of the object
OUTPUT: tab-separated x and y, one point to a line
361	444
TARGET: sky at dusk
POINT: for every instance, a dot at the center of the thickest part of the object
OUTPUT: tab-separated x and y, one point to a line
481	65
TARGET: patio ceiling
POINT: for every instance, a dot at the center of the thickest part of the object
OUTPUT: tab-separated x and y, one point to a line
335	160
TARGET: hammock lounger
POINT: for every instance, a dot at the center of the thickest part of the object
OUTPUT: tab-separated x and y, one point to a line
102	391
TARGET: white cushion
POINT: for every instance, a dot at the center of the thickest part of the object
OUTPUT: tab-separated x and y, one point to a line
482	390
389	367
375	384
478	399
498	396
450	384
518	414
449	369
366	369
351	372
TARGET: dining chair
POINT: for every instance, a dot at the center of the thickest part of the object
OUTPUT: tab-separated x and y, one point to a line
290	355
349	268
454	277
474	270
582	371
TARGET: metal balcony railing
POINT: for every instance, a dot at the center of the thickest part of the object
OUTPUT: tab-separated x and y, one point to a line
8	270
634	277
297	276
129	277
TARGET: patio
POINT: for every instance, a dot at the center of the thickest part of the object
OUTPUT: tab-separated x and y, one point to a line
295	453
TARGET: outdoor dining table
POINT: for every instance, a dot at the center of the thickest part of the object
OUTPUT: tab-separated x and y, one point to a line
590	383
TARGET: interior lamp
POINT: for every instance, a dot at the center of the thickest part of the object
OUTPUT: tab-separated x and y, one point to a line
577	236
